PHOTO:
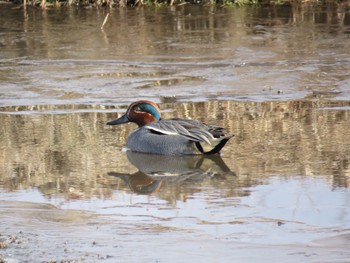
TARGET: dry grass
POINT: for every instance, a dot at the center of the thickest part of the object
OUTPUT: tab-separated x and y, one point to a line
122	3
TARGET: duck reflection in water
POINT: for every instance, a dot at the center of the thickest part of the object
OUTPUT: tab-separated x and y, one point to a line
155	169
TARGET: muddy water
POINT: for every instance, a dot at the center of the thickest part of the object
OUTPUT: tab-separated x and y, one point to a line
282	184
63	56
276	78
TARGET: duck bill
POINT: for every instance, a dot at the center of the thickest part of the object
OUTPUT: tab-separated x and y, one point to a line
121	120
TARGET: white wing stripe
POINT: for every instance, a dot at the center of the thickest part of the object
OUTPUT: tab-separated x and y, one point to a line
161	131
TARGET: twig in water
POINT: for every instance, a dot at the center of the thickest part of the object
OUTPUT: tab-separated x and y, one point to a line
105	21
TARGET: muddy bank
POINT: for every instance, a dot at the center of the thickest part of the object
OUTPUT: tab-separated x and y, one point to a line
137	3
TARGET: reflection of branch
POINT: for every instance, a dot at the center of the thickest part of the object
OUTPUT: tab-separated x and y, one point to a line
104	36
308	197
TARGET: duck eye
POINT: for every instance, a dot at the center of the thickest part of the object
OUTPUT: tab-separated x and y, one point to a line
137	109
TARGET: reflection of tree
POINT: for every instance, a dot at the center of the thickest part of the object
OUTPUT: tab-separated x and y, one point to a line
211	24
70	154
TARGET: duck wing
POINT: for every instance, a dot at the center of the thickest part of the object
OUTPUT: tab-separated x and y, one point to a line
193	130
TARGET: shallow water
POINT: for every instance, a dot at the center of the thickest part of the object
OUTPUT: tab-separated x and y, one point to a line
282	183
190	52
276	78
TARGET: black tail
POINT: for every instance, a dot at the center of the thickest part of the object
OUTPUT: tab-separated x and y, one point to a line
217	147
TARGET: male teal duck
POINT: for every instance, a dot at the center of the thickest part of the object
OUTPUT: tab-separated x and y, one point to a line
169	136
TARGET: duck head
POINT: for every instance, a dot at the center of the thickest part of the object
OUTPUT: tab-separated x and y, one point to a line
140	112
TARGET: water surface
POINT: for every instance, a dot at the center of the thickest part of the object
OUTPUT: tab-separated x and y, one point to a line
191	52
277	78
281	184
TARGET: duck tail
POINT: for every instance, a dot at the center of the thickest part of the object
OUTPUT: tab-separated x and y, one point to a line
216	147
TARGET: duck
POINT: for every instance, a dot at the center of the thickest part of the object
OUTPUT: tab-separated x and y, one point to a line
173	136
